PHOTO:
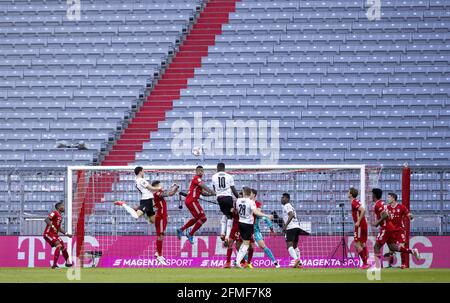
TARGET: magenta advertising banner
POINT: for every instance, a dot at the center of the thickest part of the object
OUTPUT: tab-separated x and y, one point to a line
207	251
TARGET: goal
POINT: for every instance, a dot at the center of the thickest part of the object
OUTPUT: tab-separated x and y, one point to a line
105	235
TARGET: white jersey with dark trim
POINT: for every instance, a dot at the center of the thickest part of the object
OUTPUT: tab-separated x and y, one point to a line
222	183
287	208
245	208
141	185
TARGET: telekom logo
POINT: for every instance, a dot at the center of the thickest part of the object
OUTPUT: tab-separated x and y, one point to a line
29	248
32	249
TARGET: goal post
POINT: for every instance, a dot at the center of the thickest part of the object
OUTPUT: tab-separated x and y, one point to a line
106	235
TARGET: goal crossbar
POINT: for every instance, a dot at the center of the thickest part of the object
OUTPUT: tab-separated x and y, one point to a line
71	169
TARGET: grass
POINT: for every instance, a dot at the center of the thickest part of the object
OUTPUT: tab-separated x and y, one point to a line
198	275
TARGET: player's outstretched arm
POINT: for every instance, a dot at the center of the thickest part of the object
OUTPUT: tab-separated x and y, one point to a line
152	188
173	190
206	190
268	222
259	213
235	192
410	216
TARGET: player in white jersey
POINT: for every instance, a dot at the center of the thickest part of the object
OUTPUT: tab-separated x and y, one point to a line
223	185
292	229
246	209
146	204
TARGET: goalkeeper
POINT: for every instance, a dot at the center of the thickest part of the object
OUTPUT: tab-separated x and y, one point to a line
257	232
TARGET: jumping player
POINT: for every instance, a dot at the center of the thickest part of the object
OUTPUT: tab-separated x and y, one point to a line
51	234
223	185
246	209
196	189
161	216
258	235
399	214
146	204
360	233
386	234
292	229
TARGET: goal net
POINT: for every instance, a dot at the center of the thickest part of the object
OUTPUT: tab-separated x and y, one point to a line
106	235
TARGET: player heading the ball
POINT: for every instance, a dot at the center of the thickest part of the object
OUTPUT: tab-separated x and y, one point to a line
223	185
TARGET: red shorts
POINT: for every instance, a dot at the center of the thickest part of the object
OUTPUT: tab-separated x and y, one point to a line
196	209
53	240
160	224
386	236
400	236
235	234
360	234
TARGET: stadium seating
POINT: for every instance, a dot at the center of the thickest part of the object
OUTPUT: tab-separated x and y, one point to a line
55	72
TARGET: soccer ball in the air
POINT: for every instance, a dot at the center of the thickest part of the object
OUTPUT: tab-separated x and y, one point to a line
197	151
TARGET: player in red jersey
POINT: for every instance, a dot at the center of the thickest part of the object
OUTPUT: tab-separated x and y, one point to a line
399	214
360	233
196	189
51	234
161	216
386	233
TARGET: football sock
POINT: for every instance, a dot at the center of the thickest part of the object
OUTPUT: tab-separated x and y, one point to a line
65	254
159	244
196	227
229	253
269	253
223	225
242	252
250	254
56	256
404	257
189	224
298	252
292	253
131	211
366	255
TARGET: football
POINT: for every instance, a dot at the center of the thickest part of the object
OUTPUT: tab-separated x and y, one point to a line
197	151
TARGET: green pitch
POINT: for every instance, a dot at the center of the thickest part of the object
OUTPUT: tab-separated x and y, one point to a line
182	275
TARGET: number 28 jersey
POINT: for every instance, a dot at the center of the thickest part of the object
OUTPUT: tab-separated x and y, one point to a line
245	207
222	184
